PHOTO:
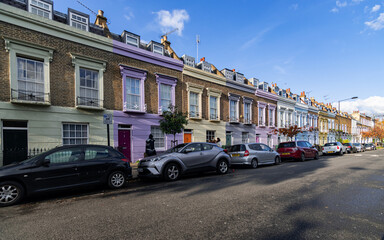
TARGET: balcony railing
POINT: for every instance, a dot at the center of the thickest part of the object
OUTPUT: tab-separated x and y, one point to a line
31	96
261	122
271	124
214	117
234	119
134	107
89	102
247	121
194	114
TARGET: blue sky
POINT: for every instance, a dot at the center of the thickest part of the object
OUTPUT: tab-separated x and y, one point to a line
330	49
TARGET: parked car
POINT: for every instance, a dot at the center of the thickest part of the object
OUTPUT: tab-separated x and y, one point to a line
185	158
253	154
359	147
297	150
370	146
350	147
334	148
63	168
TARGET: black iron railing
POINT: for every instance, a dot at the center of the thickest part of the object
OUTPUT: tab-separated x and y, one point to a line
33	96
91	102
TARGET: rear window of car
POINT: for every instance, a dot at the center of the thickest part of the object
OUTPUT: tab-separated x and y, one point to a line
237	148
356	144
287	145
347	144
255	147
330	144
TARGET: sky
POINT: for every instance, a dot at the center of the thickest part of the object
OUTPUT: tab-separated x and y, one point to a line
332	50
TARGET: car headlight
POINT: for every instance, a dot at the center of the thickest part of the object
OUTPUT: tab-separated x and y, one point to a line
156	159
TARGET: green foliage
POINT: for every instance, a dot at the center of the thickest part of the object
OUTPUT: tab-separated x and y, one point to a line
173	121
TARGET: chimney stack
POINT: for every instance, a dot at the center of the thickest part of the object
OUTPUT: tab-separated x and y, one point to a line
101	21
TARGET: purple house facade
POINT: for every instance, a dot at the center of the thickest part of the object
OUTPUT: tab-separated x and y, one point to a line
148	85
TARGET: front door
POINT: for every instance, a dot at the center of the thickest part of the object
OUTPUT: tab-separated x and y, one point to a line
228	138
124	142
15	141
187	137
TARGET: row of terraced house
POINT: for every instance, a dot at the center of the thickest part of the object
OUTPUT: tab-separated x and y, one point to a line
60	74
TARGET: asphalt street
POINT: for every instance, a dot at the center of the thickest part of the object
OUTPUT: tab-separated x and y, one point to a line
331	198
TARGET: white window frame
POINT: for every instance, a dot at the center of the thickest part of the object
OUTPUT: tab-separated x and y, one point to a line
71	21
272	110
164	137
32	6
217	95
73	123
249	102
261	107
78	62
208	135
197	89
156	51
246	139
236	99
27	50
133	38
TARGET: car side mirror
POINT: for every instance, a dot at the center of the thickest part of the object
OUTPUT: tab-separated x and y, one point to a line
46	162
188	150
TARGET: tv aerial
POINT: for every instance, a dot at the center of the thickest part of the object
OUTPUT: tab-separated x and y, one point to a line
90	10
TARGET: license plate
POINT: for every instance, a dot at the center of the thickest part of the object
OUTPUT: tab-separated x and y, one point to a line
285	154
140	170
235	155
330	151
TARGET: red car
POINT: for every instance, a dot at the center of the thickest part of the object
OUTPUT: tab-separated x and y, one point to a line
300	150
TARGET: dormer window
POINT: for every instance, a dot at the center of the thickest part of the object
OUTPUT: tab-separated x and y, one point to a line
188	60
229	74
131	39
41	8
263	86
78	20
205	66
158	49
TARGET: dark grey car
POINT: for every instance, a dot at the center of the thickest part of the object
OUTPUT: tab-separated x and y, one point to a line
184	158
253	154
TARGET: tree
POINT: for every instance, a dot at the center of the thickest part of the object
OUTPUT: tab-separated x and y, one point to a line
173	122
290	132
377	132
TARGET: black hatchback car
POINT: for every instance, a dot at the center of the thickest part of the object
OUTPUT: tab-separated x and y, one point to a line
63	168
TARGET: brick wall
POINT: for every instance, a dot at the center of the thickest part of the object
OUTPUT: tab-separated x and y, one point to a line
62	73
224	100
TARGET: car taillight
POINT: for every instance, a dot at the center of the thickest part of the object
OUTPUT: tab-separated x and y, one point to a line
125	160
246	153
338	147
322	148
225	150
349	146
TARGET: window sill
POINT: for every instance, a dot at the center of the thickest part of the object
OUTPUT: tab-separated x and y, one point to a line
90	107
134	111
30	102
195	118
214	120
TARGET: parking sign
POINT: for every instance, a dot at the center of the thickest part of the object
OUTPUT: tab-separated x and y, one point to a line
107	119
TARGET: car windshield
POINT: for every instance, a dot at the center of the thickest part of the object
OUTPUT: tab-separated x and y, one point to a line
330	144
287	145
346	144
32	159
176	148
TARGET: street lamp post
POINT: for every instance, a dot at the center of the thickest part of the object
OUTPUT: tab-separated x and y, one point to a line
339	107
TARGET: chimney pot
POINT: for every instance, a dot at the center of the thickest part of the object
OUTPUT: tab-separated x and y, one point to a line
101	13
233	70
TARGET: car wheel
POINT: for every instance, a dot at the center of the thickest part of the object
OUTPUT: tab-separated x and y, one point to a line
10	193
277	160
316	156
116	180
222	167
172	172
254	163
302	157
341	152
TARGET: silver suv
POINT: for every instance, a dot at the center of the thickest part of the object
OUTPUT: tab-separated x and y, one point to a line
184	158
253	154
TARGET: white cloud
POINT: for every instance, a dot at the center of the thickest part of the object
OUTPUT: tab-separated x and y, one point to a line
376	8
129	14
334	10
280	69
341	4
294	6
371	105
376	24
256	39
176	19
